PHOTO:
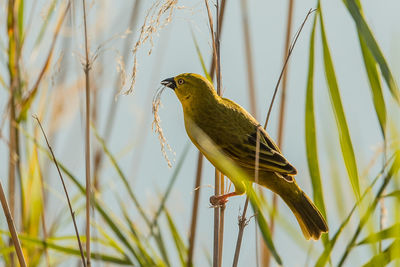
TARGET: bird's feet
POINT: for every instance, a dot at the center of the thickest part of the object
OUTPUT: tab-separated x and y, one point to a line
218	201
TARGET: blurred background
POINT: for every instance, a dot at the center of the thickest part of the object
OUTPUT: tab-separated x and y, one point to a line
123	124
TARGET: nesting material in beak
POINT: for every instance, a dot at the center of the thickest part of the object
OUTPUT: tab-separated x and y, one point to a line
170	82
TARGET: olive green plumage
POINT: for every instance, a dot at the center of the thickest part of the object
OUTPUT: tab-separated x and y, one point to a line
234	132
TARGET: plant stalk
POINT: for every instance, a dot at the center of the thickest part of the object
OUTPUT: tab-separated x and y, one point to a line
66	193
249	58
195	208
87	138
11	227
265	254
215	43
13	69
200	160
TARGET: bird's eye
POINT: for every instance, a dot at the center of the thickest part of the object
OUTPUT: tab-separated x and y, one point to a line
181	81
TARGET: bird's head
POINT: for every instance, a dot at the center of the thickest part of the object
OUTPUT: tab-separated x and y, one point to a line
191	88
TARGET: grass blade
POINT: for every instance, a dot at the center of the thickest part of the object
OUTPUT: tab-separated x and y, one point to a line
343	130
11	227
390	232
203	66
310	131
355	11
45	23
72	251
170	185
179	244
20	17
391	173
98	206
122	176
139	239
375	83
323	258
384	258
263	224
393	194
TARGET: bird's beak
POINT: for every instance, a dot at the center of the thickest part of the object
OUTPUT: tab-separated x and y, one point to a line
170	82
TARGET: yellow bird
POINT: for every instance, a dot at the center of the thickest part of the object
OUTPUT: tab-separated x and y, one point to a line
234	132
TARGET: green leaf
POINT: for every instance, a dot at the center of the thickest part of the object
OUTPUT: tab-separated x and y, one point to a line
158	236
20	18
344	135
121	176
100	207
393	194
179	244
170	184
203	66
323	258
310	132
47	17
375	83
262	223
5	251
384	258
103	213
355	10
140	239
110	241
391	232
28	240
364	219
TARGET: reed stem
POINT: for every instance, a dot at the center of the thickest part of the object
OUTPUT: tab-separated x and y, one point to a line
11	227
87	137
266	255
65	191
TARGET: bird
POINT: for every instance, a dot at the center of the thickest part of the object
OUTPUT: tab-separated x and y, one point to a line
212	119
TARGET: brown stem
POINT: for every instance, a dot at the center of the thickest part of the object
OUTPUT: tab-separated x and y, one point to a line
13	68
11	227
266	255
65	191
215	42
242	224
221	230
12	164
200	160
219	176
249	58
87	137
221	20
216	224
195	208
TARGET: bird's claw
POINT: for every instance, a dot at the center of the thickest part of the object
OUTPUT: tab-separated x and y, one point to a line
217	201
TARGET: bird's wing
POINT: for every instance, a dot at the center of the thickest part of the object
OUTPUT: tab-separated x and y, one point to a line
270	159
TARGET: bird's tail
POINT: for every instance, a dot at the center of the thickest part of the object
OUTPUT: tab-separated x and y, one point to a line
310	219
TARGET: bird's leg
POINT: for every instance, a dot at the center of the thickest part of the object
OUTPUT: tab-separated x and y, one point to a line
222	199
